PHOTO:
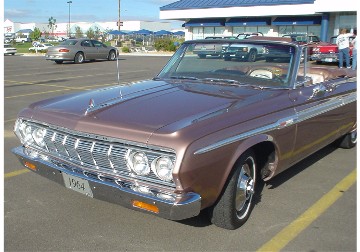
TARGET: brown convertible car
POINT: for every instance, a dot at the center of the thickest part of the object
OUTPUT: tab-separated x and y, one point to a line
202	134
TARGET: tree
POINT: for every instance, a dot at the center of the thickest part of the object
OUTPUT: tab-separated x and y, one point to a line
90	33
36	34
52	25
78	32
97	33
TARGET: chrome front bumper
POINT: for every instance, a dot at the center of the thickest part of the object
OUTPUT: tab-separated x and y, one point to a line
185	206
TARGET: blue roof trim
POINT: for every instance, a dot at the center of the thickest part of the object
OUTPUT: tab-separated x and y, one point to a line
205	22
201	4
249	21
297	20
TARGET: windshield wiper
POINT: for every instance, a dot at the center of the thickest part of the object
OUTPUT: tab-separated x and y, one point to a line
226	81
184	77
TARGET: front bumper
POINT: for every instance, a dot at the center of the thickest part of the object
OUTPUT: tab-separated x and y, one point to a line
185	206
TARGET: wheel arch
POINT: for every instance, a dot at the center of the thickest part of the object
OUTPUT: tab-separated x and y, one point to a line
265	151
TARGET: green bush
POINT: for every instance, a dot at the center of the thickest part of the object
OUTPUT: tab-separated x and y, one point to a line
125	49
166	44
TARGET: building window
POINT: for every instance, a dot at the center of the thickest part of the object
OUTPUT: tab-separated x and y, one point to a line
302	29
198	32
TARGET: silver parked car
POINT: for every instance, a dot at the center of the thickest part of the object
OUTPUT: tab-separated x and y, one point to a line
79	50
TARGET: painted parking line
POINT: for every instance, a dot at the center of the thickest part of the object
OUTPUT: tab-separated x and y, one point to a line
90	87
15	173
290	232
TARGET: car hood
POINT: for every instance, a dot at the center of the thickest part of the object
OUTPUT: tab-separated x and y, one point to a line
140	110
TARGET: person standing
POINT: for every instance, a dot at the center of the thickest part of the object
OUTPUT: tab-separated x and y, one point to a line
343	44
354	51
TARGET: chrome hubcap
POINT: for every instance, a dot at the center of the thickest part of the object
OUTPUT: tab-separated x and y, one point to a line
245	187
353	136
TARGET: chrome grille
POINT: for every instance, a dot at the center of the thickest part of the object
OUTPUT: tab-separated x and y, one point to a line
98	155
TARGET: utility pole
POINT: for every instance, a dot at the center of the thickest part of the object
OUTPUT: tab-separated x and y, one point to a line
119	17
119	24
70	2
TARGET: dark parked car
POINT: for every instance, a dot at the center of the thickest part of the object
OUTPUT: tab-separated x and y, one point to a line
246	52
329	52
202	134
79	50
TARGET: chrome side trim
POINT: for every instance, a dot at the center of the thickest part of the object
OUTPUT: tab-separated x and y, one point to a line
285	122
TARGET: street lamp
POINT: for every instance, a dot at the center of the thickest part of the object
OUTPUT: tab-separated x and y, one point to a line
69	2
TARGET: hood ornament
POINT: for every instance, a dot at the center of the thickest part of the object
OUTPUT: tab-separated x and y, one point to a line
91	105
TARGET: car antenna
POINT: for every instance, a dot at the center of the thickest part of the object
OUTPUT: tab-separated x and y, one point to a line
118	73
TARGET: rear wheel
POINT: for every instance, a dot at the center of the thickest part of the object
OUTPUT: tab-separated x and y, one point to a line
79	58
349	140
112	56
236	202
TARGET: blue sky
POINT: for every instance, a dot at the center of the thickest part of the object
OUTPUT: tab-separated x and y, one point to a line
40	11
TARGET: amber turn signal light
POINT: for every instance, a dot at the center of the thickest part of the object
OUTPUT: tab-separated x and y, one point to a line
145	206
30	166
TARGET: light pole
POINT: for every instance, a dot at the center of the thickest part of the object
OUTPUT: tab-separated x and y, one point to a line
119	16
69	2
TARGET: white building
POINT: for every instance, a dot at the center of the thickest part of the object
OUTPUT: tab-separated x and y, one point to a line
61	29
271	17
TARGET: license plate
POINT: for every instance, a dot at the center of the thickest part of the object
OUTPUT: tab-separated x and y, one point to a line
328	60
77	184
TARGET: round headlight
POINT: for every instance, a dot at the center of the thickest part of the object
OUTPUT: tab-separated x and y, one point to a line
138	163
38	136
25	131
163	168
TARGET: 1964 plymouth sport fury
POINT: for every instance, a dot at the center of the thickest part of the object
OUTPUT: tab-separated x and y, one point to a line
202	134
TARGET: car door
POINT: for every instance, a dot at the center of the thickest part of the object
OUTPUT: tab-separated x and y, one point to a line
324	112
101	50
88	48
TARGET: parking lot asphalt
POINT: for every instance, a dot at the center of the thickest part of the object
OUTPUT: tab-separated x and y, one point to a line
310	207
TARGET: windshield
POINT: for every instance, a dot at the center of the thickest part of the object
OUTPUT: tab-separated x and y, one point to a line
261	64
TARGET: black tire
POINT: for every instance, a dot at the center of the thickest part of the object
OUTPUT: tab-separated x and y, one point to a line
202	56
252	56
58	61
79	58
236	202
349	140
227	58
112	55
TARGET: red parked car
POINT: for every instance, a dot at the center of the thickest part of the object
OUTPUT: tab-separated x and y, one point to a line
311	41
328	52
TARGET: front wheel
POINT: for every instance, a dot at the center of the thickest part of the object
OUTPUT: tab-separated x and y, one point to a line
252	56
236	202
349	140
